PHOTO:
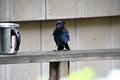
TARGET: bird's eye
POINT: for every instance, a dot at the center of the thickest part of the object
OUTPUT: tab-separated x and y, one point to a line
58	24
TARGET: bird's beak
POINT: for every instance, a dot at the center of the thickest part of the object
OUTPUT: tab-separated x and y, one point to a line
58	27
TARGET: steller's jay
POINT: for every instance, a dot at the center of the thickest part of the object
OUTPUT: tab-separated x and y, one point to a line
61	36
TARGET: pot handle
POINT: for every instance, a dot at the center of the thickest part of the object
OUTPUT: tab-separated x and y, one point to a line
17	34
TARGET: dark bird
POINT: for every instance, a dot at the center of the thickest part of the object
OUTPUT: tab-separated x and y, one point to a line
61	36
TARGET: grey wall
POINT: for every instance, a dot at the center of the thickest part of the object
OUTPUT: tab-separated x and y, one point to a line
90	33
26	10
4	10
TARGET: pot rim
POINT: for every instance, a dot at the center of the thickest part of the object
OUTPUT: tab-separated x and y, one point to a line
8	25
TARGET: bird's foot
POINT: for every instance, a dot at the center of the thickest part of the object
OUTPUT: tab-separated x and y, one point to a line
54	50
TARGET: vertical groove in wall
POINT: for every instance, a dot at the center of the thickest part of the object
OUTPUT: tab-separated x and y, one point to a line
111	38
76	46
10	10
76	35
40	35
8	3
40	70
5	71
96	1
40	64
45	9
111	44
82	8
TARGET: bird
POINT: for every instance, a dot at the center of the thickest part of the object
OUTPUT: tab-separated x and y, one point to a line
61	36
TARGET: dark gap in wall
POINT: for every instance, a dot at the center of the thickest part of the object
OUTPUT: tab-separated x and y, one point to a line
40	35
110	21
76	33
111	45
5	71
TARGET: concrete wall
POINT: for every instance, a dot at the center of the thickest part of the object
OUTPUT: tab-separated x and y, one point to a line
4	10
25	10
91	33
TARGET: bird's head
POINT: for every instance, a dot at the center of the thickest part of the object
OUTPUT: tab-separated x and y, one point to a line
60	25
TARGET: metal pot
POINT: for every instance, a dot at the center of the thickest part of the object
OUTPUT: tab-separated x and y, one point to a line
9	38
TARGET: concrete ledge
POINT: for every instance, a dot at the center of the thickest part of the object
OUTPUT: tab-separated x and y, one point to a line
53	56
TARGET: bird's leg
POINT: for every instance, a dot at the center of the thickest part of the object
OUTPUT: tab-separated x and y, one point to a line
67	47
60	47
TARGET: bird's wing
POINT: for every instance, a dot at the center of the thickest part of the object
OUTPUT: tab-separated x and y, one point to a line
61	37
65	36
